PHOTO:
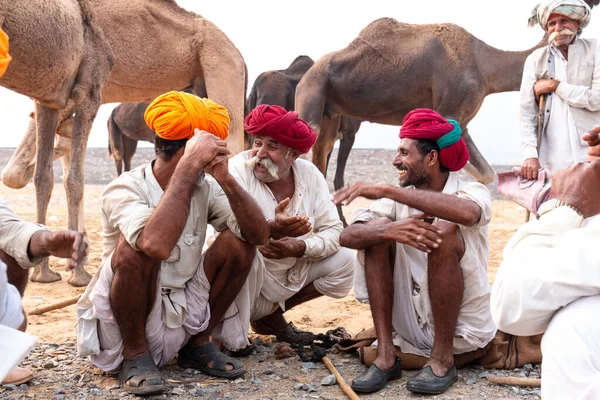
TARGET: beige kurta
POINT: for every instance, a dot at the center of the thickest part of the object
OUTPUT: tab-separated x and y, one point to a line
127	203
412	317
324	263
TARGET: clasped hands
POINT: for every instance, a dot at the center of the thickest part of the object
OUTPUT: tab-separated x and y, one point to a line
284	229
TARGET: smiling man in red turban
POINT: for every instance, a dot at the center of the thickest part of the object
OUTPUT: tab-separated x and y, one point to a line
303	260
423	251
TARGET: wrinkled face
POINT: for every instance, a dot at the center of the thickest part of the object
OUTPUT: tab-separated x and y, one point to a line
410	164
270	160
562	30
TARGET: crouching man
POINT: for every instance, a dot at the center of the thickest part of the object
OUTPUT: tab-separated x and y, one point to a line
157	294
303	260
424	248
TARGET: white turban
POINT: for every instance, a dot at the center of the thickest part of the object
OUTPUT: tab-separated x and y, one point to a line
577	10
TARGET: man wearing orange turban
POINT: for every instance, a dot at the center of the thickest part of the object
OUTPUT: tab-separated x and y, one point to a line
423	250
157	294
303	259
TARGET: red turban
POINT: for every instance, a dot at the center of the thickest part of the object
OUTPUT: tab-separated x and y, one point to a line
283	126
423	123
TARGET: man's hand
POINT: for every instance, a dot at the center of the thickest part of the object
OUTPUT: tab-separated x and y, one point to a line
283	248
544	86
201	149
415	232
579	185
218	168
530	168
63	244
593	139
284	225
368	190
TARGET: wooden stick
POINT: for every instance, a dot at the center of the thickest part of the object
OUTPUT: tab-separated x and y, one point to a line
514	381
341	382
54	306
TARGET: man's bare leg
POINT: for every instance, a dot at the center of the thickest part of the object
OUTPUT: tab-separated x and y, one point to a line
17	275
446	288
132	295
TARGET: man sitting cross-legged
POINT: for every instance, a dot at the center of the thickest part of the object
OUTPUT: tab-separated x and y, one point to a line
425	257
156	294
303	259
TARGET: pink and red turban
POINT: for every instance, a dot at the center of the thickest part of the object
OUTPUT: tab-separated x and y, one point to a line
423	123
283	126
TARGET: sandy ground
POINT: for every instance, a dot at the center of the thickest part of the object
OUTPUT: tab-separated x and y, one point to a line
56	329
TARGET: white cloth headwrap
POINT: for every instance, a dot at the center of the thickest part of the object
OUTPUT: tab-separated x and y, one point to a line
577	10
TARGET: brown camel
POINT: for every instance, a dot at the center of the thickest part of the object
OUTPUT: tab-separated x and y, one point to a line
55	64
279	87
126	126
393	67
157	47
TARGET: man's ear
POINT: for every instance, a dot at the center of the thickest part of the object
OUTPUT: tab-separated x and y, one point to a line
432	158
295	154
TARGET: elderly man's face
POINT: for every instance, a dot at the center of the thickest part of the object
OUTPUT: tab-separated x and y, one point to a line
271	160
562	30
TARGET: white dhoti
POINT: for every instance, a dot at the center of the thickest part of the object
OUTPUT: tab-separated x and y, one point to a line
99	336
11	313
331	276
571	352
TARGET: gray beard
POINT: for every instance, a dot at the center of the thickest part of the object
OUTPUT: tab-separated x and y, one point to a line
266	162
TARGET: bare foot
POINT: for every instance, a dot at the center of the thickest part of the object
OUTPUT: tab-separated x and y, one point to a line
79	277
43	274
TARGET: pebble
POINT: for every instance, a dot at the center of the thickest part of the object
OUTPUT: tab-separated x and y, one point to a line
96	392
58	391
10	386
23	386
178	391
310	388
309	365
59	397
484	375
299	386
329	380
51	364
528	367
471	380
256	381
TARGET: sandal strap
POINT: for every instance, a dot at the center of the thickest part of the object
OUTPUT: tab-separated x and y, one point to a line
138	370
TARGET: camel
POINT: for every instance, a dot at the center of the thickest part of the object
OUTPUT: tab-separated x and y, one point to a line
126	126
393	67
279	87
161	47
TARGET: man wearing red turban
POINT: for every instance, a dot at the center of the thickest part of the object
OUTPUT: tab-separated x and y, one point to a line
423	251
303	260
157	295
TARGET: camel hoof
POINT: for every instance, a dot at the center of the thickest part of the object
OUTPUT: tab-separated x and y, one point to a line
79	277
44	275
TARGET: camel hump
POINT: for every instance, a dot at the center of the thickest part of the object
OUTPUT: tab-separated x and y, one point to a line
298	67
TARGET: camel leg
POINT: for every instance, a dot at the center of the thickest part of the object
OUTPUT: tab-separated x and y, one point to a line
346	144
325	142
19	170
47	121
129	147
84	116
478	167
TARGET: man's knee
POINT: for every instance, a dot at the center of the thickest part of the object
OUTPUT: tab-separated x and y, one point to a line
452	238
229	247
339	278
126	257
16	275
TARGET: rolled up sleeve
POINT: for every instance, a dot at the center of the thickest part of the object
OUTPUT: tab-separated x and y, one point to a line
15	235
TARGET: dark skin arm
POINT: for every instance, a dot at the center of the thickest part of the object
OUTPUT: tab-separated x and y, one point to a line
164	227
252	223
435	204
63	244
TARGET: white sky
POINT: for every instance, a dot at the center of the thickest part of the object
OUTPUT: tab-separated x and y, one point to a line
270	34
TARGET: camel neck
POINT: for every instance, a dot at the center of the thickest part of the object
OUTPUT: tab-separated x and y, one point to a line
502	70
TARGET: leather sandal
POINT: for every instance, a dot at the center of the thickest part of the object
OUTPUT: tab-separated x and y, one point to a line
17	376
429	383
200	358
290	334
141	377
375	379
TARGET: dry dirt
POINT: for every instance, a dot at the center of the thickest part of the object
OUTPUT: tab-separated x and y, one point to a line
76	378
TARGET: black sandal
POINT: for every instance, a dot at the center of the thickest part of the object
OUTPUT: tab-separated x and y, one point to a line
374	379
429	383
289	335
141	377
200	357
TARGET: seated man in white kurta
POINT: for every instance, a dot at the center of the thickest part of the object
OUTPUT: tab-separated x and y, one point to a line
303	259
425	257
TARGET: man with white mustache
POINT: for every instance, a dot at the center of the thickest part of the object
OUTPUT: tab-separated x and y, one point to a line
567	75
303	259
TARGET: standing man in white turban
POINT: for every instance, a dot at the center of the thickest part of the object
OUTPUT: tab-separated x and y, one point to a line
566	73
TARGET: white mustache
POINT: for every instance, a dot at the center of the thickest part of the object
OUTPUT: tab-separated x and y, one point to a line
265	162
564	32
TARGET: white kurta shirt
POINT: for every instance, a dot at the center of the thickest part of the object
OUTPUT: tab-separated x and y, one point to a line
474	325
127	204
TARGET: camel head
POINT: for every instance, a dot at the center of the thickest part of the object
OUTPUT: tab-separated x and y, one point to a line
592	3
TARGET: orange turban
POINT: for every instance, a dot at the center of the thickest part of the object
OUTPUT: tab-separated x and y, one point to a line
175	115
4	56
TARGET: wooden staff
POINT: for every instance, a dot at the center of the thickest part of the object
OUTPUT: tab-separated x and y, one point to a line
341	382
55	306
513	381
